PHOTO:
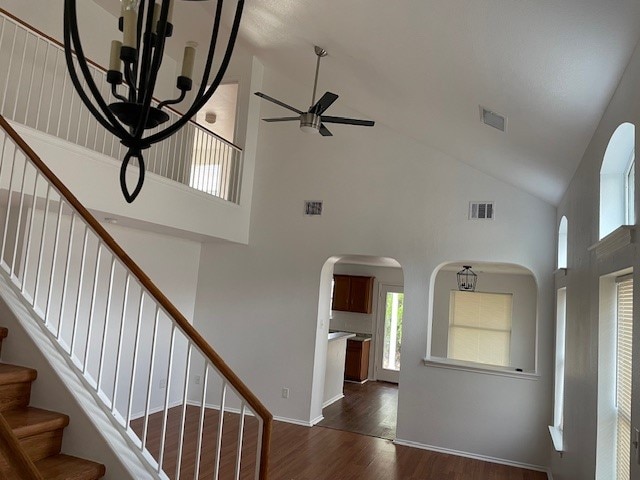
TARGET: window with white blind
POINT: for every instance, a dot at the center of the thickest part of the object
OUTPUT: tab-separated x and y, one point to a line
624	334
558	398
480	327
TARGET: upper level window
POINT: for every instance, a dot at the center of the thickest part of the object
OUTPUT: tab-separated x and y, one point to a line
617	181
630	190
562	243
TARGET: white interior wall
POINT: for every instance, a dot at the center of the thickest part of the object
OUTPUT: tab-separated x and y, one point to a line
523	329
379	190
579	205
163	206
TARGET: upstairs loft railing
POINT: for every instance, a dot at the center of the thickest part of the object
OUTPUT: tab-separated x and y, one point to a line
36	91
181	409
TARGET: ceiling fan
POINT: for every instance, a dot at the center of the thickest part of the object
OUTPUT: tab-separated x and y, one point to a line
313	120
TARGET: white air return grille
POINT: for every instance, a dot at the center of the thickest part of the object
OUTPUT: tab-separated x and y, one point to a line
313	208
481	211
493	119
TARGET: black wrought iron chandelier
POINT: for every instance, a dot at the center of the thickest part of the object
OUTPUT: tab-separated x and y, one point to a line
467	279
146	26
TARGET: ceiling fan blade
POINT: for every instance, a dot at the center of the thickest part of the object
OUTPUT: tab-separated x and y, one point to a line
278	102
280	119
324	131
348	121
325	102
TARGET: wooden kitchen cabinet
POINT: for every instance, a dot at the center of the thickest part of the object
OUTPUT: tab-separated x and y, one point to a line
356	365
352	293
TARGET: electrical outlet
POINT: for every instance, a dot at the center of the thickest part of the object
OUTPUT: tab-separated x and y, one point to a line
285	392
197	380
163	383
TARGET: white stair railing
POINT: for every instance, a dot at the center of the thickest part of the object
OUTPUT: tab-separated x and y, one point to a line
179	406
36	91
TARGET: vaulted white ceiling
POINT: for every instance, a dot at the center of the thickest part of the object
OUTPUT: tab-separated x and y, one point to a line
423	67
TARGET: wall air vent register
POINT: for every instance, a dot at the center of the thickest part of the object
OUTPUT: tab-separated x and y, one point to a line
313	208
481	211
493	119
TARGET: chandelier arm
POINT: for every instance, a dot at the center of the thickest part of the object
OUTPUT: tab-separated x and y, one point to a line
129	79
107	120
87	102
72	37
154	67
201	101
114	92
139	43
212	49
144	55
183	93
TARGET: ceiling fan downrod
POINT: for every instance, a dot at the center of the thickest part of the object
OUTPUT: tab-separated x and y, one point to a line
320	52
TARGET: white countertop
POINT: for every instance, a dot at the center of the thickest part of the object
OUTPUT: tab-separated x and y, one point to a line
340	336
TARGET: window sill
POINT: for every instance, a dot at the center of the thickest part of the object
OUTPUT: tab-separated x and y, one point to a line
439	362
556	438
619	238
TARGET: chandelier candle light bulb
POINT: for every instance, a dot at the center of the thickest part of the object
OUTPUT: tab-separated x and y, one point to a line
189	60
146	25
115	64
129	35
156	17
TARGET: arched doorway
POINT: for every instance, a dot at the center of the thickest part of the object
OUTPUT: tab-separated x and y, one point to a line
360	322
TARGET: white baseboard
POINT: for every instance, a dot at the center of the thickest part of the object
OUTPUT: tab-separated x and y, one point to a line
340	396
316	420
474	456
137	415
293	421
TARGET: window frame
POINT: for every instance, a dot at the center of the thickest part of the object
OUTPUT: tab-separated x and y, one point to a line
622	470
629	190
557	429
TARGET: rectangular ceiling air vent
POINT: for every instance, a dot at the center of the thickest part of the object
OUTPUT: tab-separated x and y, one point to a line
481	211
313	208
493	119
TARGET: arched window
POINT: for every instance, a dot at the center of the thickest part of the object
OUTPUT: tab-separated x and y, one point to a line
562	243
617	180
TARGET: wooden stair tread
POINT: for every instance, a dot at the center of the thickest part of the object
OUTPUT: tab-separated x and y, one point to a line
31	421
66	467
16	374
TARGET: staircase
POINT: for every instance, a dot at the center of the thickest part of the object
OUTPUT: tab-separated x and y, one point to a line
39	432
139	369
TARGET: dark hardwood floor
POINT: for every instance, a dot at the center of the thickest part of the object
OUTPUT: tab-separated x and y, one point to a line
367	409
317	453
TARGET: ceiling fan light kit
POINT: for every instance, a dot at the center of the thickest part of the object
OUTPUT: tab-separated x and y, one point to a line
310	122
135	62
313	120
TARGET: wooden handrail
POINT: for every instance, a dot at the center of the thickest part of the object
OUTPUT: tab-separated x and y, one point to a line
253	401
104	70
15	454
